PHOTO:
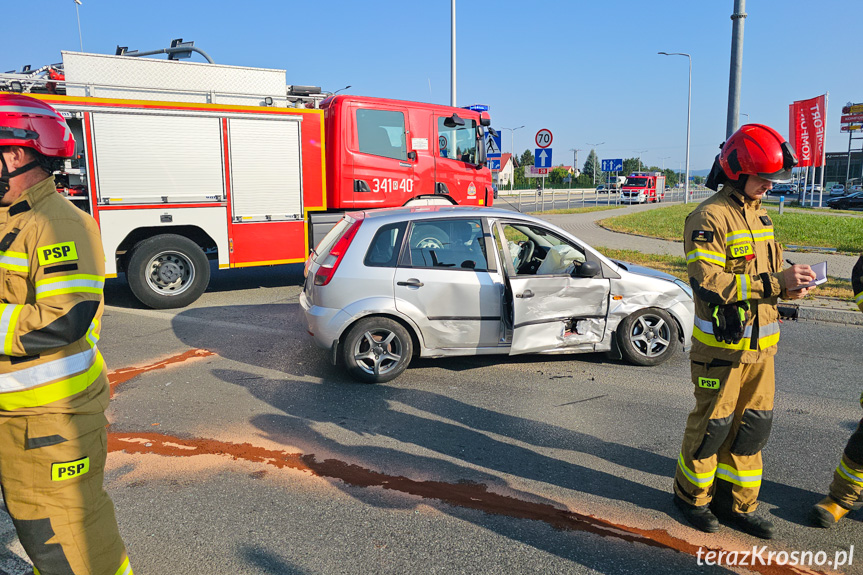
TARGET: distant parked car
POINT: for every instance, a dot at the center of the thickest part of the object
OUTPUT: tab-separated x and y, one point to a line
837	190
387	285
782	189
600	189
850	202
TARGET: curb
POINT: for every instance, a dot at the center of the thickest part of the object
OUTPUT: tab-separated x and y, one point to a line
793	311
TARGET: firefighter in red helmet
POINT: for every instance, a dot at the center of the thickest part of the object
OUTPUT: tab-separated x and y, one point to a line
53	381
736	272
846	490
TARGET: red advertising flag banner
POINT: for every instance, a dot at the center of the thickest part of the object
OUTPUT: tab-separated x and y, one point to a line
807	130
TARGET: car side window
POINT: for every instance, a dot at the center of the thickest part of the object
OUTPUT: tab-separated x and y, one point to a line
456	244
385	246
534	250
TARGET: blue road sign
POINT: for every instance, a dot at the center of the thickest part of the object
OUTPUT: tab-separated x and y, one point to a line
612	165
492	145
494	165
542	158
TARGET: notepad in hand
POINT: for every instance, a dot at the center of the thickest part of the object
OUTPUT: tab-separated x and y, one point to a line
820	270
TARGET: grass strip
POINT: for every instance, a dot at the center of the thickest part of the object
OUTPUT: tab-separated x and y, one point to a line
802	229
676	266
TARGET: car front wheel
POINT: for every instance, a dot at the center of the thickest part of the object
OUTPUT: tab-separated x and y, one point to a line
376	350
647	337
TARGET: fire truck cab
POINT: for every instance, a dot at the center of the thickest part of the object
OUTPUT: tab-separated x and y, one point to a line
642	187
186	163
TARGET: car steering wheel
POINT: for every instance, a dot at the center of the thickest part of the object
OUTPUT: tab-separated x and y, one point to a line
525	254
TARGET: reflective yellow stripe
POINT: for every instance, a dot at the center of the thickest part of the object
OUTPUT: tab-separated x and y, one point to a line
125	568
15	261
743	292
707	338
697	479
745	478
8	323
852	476
707	256
78	283
93	333
858	299
53	391
762	235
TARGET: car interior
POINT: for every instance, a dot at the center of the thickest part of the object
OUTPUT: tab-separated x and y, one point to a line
535	251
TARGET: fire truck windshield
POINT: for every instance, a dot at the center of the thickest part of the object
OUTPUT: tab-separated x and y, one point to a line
636	182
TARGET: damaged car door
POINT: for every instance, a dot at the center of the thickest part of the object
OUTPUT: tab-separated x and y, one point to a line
556	293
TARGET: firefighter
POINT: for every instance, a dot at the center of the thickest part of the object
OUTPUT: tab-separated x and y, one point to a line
53	381
735	269
847	486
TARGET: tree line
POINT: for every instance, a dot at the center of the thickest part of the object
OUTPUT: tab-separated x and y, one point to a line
558	177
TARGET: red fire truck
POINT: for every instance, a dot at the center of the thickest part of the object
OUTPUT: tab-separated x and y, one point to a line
642	187
182	163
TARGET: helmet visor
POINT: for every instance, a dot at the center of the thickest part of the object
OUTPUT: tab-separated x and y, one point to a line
789	160
780	177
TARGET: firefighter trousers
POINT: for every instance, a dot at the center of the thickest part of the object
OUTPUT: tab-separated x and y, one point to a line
848	478
725	433
51	470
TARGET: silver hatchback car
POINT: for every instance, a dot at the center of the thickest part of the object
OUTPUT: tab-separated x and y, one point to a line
385	285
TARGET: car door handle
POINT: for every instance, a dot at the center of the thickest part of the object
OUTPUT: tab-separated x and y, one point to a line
412	282
440	188
526	294
361	186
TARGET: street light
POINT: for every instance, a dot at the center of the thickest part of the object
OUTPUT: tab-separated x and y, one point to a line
80	38
747	116
574	164
688	115
512	153
594	146
639	152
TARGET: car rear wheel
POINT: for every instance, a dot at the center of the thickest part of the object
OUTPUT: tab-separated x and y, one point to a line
647	337
376	350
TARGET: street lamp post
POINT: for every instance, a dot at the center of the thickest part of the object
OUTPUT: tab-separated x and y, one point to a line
512	153
78	15
452	58
747	116
595	158
575	164
688	116
639	152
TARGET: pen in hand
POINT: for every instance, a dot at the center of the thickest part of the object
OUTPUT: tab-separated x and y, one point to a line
790	263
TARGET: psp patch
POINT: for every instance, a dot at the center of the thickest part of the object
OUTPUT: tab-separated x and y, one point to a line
702	236
708	383
55	253
70	469
742	250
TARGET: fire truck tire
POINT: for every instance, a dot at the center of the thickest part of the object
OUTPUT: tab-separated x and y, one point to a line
167	271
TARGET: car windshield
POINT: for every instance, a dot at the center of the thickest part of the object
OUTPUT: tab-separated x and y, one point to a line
636	182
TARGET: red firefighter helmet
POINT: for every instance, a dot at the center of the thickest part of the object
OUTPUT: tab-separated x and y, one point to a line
31	123
758	150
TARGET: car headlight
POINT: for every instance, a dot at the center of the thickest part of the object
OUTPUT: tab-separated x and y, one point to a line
683	285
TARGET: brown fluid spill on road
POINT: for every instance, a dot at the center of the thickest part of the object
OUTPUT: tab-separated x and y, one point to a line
467	495
124	374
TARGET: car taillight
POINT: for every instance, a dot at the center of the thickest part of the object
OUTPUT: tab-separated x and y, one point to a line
328	267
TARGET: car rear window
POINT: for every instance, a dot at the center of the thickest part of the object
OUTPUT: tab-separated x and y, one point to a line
323	249
385	247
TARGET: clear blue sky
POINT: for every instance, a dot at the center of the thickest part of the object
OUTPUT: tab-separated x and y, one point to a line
588	71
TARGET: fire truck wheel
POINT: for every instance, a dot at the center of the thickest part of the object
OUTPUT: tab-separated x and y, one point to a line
376	350
647	337
168	271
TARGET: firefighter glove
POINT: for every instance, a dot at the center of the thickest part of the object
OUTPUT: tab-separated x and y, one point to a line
729	321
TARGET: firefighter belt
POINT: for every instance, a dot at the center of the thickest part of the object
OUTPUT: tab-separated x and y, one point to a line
51	469
726	432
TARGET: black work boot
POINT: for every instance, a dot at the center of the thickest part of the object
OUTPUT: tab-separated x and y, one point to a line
721	505
699	517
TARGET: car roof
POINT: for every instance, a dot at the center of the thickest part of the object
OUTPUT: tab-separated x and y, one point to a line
382	216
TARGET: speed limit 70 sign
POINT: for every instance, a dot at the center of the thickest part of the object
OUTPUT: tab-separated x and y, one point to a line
543	138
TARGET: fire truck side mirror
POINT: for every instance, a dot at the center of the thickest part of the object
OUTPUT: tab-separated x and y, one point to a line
412	155
453	121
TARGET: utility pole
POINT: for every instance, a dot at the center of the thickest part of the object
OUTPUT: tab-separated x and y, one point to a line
736	67
574	164
452	60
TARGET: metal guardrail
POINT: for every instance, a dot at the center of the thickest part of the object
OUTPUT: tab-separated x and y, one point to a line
550	199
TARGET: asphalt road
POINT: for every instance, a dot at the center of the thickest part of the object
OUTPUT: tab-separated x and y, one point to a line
254	455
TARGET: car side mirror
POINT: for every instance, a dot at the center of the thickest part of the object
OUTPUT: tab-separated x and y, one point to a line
453	121
587	269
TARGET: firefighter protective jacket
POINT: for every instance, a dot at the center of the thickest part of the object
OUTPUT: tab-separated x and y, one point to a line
732	256
51	281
